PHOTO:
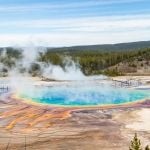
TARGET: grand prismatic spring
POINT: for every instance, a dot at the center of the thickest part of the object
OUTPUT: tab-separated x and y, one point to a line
83	95
68	111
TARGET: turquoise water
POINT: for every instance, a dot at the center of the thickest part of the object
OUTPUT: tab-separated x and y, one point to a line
83	95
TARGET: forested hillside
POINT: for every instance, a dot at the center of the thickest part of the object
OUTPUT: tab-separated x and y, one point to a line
91	62
97	62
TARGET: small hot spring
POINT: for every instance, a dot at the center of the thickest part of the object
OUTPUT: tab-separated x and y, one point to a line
82	95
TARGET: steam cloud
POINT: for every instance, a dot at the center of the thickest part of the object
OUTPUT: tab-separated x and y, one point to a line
71	70
20	79
85	92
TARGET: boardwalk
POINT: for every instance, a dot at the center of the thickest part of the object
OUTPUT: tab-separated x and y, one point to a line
127	83
4	88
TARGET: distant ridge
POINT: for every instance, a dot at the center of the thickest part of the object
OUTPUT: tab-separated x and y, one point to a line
107	47
98	47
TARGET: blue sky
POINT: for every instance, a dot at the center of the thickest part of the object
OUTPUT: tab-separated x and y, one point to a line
73	22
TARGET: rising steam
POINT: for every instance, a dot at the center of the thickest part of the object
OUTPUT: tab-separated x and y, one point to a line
19	74
22	67
81	92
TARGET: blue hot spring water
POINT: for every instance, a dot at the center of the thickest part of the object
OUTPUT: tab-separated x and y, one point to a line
83	95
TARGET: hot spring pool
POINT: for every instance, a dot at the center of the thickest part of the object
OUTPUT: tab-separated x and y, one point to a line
83	95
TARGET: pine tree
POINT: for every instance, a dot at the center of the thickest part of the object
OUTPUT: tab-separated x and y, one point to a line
135	143
147	148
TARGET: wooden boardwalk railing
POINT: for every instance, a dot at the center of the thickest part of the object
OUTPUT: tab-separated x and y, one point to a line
127	83
4	88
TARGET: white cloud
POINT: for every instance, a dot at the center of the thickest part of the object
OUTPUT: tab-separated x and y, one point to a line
67	39
79	31
89	24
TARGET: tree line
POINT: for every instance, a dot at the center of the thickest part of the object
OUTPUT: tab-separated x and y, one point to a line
98	62
92	62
